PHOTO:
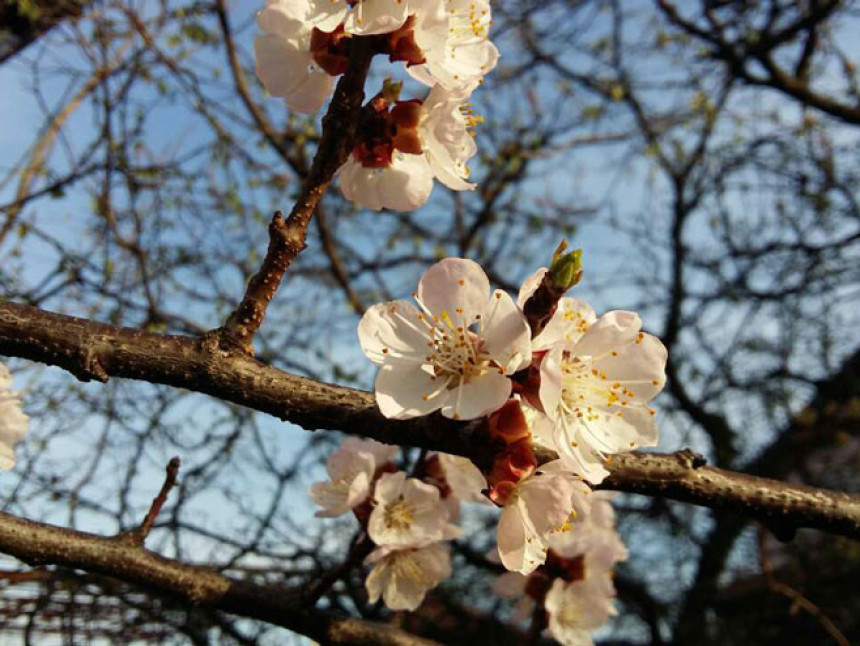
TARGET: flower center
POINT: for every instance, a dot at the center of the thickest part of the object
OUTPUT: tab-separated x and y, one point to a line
399	514
456	350
583	385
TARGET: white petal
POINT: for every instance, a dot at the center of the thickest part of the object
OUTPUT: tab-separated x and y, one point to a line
511	538
640	367
286	19
326	15
572	319
402	393
406	184
550	388
311	92
505	333
612	331
392	334
481	396
452	284
376	17
278	60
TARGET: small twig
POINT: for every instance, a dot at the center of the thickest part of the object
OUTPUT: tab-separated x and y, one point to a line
360	549
798	601
139	535
338	133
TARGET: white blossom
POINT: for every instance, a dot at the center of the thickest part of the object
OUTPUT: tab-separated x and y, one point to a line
433	138
402	577
407	512
13	421
576	609
595	389
544	504
351	469
454	353
284	61
453	36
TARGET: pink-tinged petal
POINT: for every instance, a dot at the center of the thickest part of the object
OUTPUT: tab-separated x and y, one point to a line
359	184
277	60
344	464
481	396
609	333
463	477
406	184
547	497
309	95
286	19
639	367
511	538
392	334
455	284
505	333
382	453
405	393
13	426
551	381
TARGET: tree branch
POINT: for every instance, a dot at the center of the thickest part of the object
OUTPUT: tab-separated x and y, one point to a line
42	544
98	351
287	239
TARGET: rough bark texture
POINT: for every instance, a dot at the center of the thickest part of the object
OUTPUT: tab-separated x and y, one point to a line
43	544
97	351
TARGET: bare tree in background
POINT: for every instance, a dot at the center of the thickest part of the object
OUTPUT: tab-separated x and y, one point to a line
710	148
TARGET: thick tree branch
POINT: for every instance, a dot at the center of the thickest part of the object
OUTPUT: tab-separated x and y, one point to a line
97	351
43	544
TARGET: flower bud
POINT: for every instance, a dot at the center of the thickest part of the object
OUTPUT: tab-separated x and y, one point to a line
566	268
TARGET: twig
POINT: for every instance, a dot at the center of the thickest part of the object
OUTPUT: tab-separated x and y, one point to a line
797	599
357	553
172	471
139	534
335	145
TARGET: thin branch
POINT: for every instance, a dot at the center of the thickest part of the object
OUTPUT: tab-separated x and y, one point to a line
139	535
338	133
98	351
41	544
797	599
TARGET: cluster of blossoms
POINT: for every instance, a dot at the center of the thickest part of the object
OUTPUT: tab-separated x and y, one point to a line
13	421
401	145
575	584
579	388
407	518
